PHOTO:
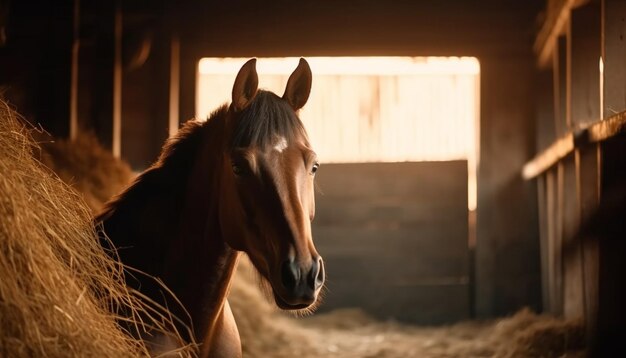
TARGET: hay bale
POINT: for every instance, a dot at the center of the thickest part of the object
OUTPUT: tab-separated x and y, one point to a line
87	167
529	335
60	292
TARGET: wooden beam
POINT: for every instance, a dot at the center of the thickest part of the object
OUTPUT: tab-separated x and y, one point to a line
547	158
607	128
557	16
597	132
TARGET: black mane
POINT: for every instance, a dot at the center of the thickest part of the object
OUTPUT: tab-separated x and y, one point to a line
266	117
167	176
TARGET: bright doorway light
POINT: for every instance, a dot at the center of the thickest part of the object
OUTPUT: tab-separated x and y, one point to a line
372	109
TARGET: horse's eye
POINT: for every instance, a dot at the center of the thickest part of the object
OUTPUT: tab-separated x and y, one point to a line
237	169
315	167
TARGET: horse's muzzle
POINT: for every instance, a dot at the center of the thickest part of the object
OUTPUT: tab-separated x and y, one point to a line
300	285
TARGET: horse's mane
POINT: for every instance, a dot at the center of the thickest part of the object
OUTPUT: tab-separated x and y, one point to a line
173	165
179	152
267	117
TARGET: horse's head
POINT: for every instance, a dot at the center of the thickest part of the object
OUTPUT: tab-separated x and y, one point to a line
267	198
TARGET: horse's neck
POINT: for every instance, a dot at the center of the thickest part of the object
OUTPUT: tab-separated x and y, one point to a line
167	226
200	264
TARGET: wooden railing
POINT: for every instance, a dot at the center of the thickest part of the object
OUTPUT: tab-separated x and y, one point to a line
581	51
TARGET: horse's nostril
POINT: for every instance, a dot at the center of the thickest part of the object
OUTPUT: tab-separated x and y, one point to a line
317	274
289	275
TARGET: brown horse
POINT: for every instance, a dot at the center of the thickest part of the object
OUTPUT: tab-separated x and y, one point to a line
240	182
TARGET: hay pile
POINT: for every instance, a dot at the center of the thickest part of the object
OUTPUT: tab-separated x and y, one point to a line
87	167
59	290
350	333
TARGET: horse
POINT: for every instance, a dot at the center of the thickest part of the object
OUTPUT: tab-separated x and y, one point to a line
240	182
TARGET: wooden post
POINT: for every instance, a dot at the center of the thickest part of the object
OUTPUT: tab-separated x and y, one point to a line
117	83
585	72
560	86
614	56
74	72
174	106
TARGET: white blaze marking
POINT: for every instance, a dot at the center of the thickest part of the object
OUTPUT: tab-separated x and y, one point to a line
280	145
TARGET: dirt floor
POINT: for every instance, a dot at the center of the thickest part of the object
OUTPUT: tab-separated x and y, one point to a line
348	333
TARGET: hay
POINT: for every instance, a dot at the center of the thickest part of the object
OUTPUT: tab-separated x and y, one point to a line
87	167
60	292
351	333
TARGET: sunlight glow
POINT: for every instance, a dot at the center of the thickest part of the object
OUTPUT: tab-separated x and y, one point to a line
372	109
379	66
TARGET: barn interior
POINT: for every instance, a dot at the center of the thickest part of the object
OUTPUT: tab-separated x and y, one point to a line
526	217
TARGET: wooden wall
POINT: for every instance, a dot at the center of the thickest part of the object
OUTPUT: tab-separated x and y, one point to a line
144	55
36	69
579	165
394	237
507	245
35	62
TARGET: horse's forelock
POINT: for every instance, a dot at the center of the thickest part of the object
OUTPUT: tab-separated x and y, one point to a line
266	118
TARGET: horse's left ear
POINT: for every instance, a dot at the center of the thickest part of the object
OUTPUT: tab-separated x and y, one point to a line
246	85
299	85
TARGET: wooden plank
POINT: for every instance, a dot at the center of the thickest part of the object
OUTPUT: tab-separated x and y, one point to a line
544	237
585	71
426	304
188	77
562	85
597	132
174	98
549	157
557	252
588	162
558	13
146	101
507	244
95	70
591	262
573	304
433	257
394	235
614	43
74	72
608	128
553	264
116	146
344	28
609	228
583	104
544	98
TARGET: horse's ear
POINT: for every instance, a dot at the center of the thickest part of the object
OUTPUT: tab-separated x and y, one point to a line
246	85
299	85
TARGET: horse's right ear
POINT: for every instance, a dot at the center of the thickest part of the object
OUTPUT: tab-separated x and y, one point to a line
246	85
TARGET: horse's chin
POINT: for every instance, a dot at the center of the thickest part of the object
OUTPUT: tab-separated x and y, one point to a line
284	305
